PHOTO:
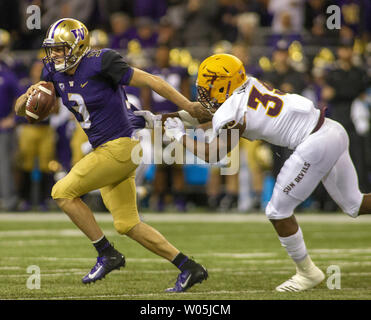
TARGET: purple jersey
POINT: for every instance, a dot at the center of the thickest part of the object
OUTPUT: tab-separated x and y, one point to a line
9	90
150	42
173	76
120	41
94	94
137	122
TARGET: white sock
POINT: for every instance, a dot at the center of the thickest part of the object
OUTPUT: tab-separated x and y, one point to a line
95	241
295	246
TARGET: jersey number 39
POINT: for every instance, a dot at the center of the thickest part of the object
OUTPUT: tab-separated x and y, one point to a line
273	104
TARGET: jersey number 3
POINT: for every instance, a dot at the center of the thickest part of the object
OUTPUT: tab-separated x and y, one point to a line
81	109
273	104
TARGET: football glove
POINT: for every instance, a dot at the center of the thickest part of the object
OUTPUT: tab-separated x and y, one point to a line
149	117
187	119
174	128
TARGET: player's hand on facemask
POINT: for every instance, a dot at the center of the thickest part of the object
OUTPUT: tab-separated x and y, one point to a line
174	128
149	117
196	110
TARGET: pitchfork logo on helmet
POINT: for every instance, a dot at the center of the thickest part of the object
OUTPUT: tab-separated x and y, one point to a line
69	35
218	76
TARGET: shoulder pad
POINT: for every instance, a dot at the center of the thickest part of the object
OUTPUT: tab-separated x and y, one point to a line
94	53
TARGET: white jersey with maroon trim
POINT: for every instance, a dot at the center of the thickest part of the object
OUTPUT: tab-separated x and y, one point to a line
288	120
279	118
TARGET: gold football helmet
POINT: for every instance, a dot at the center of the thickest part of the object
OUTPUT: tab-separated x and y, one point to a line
4	38
70	35
218	76
98	39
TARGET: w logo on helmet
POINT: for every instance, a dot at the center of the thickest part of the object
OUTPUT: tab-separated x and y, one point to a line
79	33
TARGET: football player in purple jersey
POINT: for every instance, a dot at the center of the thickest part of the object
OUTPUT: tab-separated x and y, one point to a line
90	84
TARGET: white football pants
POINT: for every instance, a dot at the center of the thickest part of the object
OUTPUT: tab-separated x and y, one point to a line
322	156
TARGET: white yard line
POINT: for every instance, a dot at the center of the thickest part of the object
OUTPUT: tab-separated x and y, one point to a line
242	256
48	232
345	250
92	259
10	268
155	294
235	271
191	217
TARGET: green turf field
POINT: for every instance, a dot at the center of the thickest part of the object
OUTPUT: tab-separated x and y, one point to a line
241	252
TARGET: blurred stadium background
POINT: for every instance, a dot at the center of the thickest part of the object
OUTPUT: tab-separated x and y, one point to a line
286	43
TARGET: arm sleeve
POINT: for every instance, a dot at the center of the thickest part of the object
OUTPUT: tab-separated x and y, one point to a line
115	69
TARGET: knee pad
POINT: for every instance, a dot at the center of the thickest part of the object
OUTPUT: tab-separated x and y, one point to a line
353	205
55	190
273	214
62	190
351	211
123	227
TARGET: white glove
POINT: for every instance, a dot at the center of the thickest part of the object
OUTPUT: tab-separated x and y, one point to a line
149	117
187	119
174	128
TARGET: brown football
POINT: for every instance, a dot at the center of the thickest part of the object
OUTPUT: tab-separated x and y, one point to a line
41	103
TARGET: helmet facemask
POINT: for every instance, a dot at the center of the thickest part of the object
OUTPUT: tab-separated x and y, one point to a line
69	60
203	96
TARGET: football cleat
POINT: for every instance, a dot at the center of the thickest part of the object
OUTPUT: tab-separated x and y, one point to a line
104	265
188	278
302	281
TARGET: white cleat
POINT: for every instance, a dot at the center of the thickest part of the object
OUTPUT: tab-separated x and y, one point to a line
302	281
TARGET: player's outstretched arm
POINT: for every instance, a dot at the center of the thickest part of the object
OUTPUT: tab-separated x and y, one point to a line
150	118
141	78
212	151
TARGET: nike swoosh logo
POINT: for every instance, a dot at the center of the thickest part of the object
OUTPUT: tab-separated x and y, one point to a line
84	84
36	106
184	284
92	275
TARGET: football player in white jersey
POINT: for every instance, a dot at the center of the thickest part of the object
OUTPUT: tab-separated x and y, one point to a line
321	150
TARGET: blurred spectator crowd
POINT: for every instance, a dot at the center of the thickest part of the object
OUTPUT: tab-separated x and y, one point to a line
285	43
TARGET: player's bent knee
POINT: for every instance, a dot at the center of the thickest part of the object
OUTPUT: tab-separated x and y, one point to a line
273	214
123	227
352	205
63	190
351	212
56	192
59	192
